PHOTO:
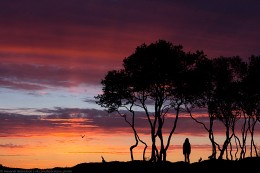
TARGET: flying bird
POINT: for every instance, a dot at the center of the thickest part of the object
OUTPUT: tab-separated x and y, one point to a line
82	136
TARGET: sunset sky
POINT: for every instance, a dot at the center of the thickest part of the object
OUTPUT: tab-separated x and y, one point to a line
54	53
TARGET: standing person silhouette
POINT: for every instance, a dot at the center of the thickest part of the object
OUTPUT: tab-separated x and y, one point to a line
186	150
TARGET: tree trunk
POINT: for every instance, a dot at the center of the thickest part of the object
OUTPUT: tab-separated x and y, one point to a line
159	133
153	152
133	146
172	131
226	143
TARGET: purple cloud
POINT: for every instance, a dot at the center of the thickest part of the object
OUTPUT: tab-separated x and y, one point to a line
74	120
62	43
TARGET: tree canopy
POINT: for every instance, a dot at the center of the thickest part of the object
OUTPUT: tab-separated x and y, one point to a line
161	77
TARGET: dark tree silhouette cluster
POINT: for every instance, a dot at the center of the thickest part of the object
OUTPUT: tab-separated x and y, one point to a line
161	77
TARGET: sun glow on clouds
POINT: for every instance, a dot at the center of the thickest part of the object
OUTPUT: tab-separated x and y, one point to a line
49	151
66	137
51	140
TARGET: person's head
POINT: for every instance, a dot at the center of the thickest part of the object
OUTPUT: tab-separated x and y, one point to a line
187	140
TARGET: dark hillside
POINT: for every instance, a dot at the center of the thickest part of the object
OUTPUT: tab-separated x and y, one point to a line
246	165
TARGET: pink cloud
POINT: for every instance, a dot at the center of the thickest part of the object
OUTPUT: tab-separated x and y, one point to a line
61	43
37	77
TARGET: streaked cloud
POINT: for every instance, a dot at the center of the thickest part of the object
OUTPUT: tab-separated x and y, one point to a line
10	145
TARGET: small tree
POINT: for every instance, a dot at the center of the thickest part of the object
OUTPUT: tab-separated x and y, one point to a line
202	97
218	91
118	95
228	75
250	100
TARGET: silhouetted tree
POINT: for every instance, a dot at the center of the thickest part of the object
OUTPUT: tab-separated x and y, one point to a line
218	91
155	80
160	78
228	74
250	101
118	95
202	97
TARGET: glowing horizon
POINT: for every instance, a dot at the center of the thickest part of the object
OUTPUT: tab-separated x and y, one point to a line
67	137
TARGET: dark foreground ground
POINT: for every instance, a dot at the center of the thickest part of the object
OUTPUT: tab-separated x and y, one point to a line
246	165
